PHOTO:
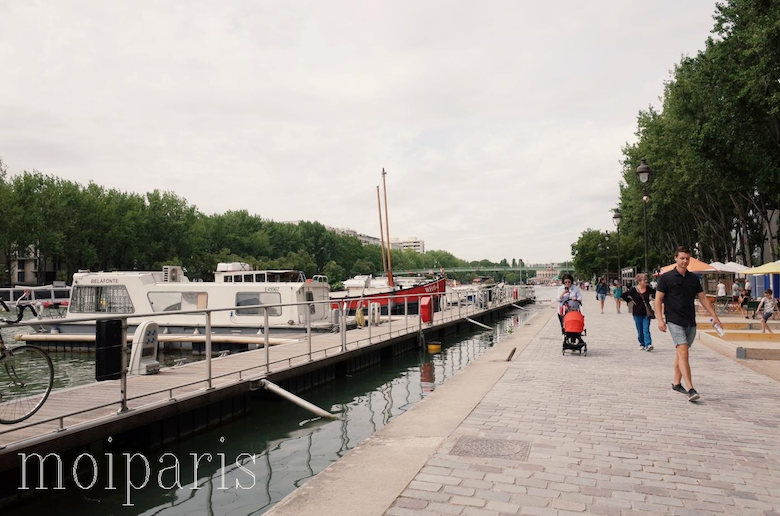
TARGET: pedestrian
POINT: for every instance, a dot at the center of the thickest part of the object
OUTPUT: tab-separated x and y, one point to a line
742	302
748	288
674	302
569	297
736	290
641	294
617	291
720	290
768	303
601	292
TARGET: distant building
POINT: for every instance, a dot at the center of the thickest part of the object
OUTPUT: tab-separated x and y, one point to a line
364	239
21	268
413	243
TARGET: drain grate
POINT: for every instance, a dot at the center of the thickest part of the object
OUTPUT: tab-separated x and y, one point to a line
468	446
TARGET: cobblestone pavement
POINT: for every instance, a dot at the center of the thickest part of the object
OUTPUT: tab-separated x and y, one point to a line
605	434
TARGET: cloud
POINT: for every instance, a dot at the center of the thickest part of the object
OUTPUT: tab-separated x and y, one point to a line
500	123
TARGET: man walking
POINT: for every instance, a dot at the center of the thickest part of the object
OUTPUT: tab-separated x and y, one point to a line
674	298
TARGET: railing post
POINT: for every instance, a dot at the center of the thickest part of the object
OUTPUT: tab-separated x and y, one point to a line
369	322
459	317
208	348
406	311
419	311
123	387
267	341
389	318
308	328
343	321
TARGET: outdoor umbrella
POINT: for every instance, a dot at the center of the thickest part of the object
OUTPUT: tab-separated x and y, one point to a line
723	268
767	268
737	267
695	266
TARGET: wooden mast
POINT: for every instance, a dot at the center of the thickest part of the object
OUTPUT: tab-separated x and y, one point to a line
381	231
387	232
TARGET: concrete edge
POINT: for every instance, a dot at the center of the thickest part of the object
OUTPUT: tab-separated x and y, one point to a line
368	479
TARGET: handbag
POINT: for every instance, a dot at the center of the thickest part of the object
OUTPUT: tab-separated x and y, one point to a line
648	308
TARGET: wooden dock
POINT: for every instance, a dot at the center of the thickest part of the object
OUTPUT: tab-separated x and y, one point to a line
180	396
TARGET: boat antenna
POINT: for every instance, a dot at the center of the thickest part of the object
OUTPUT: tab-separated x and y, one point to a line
387	232
381	231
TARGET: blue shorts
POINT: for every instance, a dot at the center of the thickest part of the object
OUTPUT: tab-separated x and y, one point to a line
601	297
766	315
681	334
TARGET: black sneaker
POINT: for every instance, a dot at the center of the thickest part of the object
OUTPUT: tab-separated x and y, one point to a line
693	395
679	388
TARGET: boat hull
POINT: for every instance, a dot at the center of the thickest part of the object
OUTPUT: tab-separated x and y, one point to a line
396	301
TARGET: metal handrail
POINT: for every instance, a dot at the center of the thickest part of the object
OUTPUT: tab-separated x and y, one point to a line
506	295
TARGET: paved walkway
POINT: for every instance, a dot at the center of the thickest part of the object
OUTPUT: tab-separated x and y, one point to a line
605	434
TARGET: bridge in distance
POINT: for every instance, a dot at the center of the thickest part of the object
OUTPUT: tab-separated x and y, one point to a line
534	268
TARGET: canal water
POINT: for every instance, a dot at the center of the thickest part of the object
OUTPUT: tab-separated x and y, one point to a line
258	459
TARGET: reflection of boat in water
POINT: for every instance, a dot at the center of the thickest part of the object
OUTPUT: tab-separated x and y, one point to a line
236	284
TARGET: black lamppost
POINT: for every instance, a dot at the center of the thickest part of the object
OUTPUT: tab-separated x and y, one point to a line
616	218
643	172
606	255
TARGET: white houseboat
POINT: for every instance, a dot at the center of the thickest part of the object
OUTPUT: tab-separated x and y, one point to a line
236	284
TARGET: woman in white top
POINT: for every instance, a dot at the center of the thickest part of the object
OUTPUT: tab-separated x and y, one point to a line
721	289
569	297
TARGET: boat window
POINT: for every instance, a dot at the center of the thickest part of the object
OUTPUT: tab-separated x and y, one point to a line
249	278
258	298
61	294
238	279
113	299
42	294
260	278
228	279
171	301
310	297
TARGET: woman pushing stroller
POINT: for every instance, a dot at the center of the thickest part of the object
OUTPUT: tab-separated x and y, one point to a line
569	297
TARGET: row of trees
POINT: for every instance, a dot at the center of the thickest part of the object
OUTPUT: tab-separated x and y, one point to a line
714	149
69	227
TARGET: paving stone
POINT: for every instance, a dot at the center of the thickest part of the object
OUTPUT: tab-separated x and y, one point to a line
592	449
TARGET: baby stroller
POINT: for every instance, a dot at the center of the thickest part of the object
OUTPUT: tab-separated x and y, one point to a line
573	329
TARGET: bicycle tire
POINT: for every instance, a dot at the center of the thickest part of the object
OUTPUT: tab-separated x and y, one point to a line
26	379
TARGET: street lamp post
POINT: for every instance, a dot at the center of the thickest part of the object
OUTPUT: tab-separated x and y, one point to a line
644	172
606	255
616	218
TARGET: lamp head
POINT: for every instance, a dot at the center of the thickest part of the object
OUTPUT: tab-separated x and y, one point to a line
643	171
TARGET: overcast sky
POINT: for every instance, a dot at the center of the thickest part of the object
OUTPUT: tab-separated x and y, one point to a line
500	123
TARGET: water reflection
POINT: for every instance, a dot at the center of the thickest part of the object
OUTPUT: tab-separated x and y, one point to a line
257	460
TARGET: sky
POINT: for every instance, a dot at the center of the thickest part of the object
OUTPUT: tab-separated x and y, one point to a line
500	123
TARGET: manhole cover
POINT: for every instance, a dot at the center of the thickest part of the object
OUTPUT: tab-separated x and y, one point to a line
468	446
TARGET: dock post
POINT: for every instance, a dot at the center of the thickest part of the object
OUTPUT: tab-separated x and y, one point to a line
308	328
208	348
369	321
123	406
459	317
266	331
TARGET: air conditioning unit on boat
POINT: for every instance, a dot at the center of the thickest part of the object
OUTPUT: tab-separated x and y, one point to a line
173	274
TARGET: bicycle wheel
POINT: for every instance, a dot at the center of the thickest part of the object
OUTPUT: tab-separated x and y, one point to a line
26	378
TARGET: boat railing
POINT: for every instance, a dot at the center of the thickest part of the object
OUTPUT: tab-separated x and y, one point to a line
451	307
